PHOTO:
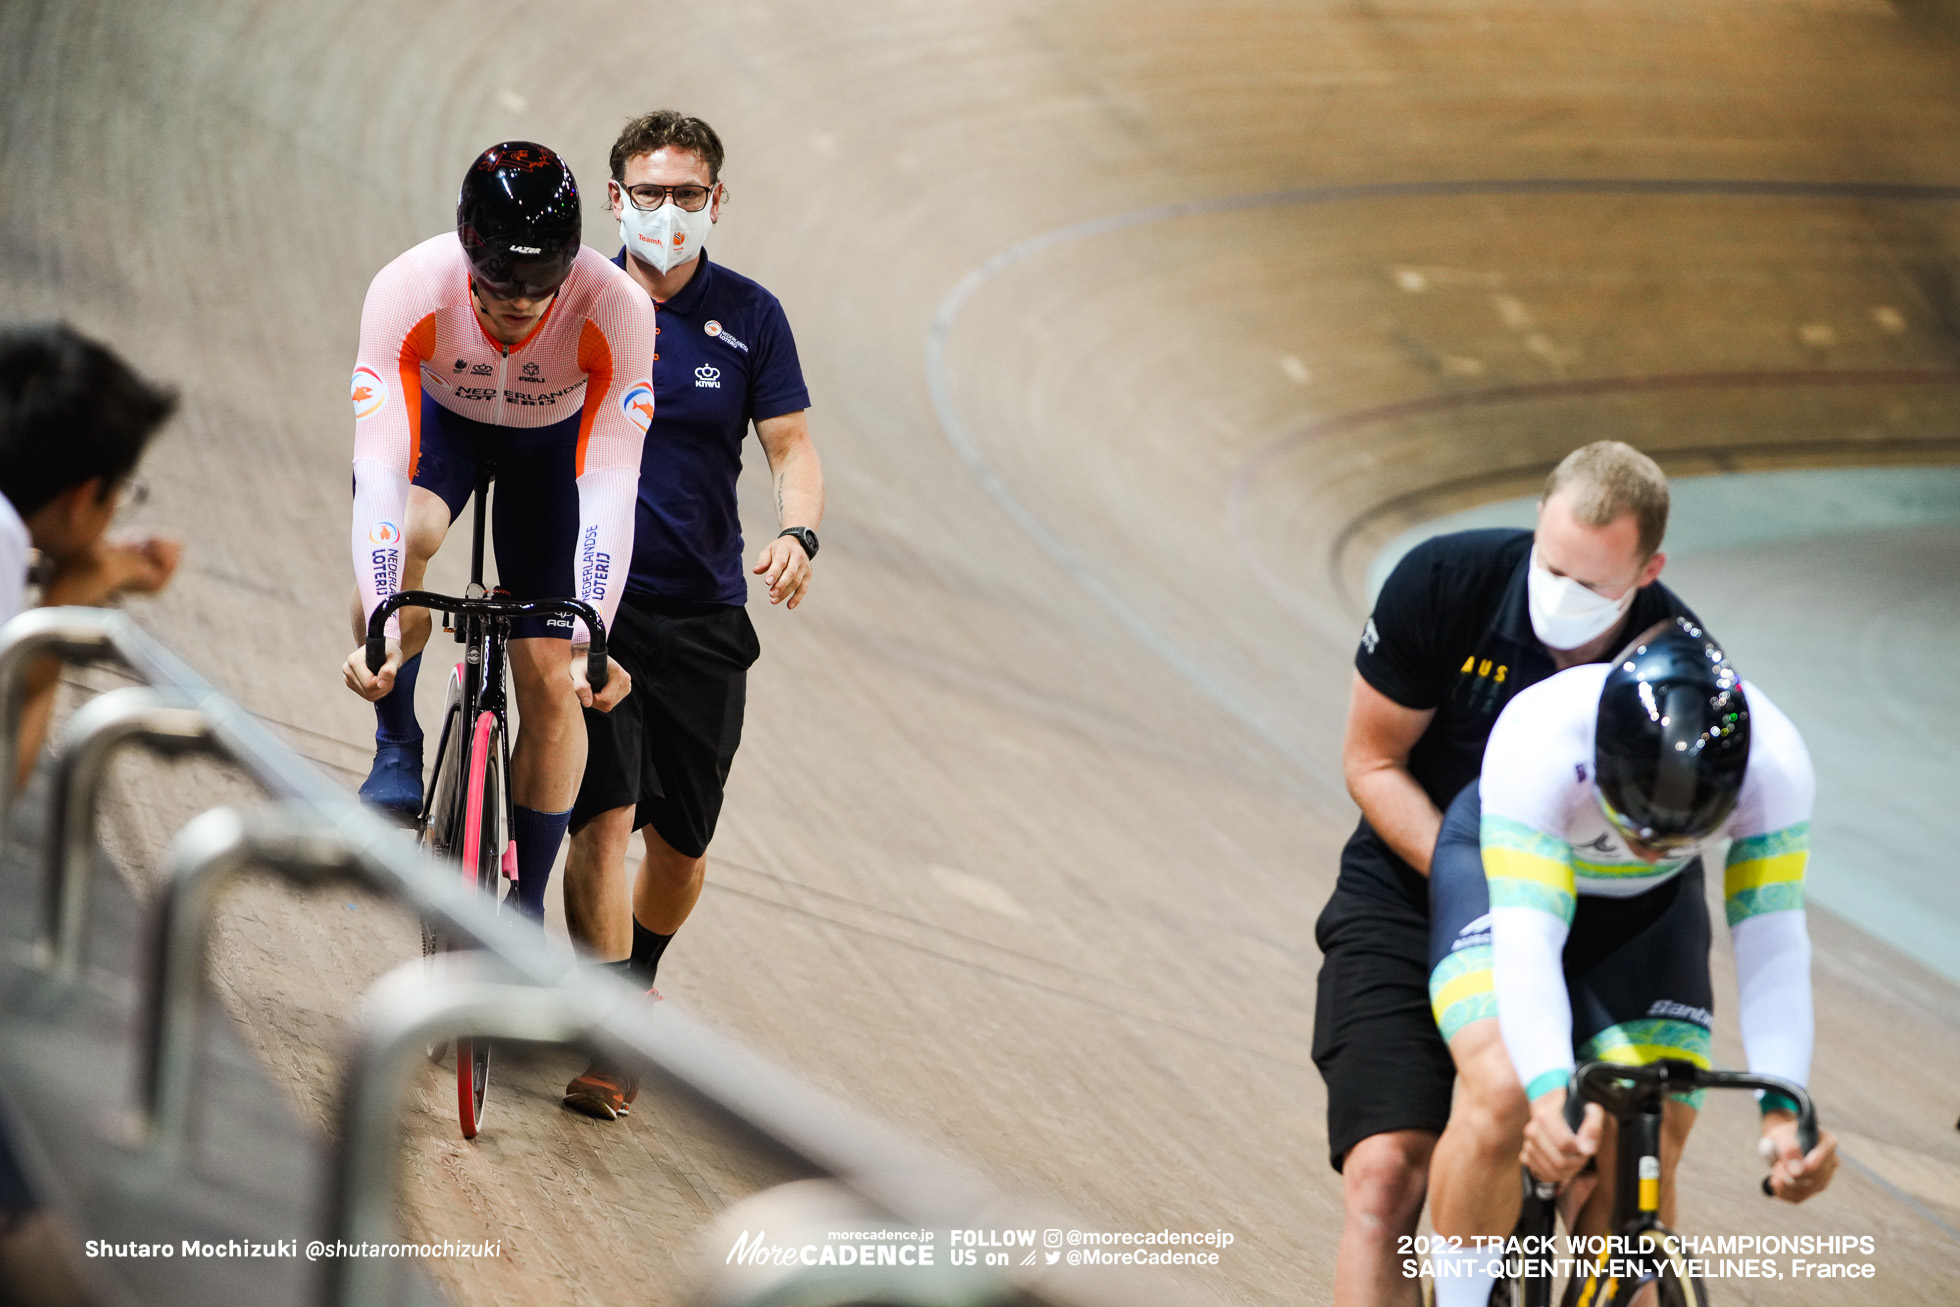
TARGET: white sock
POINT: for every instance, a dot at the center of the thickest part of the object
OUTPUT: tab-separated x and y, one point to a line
1465	1278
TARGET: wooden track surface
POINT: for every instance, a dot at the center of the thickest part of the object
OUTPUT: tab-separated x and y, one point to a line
1039	794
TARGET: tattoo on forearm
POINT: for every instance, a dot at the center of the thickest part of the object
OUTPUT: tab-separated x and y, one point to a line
779	500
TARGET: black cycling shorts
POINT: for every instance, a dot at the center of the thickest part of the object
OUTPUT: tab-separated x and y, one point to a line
665	750
1636	968
1374	1040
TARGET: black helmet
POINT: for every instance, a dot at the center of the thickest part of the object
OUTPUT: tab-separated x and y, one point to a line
1672	740
518	220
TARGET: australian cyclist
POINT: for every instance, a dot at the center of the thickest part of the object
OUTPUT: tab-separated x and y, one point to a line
1569	920
505	340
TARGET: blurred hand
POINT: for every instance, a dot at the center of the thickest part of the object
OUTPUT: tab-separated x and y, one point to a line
372	686
135	563
1793	1176
787	569
619	683
148	560
1551	1149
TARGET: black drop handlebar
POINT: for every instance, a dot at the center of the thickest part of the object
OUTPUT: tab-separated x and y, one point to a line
489	606
1613	1086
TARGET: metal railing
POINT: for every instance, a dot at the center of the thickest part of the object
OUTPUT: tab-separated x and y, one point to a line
514	987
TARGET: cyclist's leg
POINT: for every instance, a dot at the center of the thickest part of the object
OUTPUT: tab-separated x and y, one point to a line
1473	1179
549	755
1646	998
1473	1185
546	761
535	527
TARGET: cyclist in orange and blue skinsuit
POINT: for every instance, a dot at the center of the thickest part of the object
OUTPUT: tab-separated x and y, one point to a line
511	342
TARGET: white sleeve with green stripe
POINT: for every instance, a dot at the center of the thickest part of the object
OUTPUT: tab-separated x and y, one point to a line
1534	768
1763	892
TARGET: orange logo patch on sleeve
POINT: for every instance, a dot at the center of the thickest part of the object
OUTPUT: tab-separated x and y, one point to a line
369	393
638	406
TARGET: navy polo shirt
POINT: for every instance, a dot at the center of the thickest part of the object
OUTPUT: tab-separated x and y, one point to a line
724	358
1452	631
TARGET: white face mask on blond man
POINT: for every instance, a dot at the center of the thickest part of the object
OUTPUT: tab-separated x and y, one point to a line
665	237
1565	614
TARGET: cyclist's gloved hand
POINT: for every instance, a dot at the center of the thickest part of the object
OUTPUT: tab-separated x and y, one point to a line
1551	1149
1794	1177
618	682
375	685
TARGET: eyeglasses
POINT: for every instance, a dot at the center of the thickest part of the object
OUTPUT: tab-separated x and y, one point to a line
689	196
135	494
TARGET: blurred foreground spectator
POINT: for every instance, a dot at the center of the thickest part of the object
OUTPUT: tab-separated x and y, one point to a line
74	420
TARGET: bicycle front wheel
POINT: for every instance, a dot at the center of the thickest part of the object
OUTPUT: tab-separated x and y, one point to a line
442	818
1674	1285
1663	1266
482	858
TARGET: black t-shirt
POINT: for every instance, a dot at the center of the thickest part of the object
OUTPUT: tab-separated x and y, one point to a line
1452	631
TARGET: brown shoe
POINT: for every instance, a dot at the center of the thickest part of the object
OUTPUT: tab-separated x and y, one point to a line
602	1092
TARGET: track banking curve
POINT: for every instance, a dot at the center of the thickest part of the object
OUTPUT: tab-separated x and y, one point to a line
993	866
1034	247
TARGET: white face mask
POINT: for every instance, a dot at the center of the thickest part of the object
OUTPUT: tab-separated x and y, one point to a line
1565	614
667	236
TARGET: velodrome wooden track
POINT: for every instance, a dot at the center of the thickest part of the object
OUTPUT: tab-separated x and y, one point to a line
1039	795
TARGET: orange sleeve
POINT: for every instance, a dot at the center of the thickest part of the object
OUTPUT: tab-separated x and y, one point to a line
418	347
596	361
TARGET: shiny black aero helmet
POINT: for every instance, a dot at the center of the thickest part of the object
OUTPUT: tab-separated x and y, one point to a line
1672	740
518	219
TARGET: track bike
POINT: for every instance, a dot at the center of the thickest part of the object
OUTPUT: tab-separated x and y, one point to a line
466	814
1633	1097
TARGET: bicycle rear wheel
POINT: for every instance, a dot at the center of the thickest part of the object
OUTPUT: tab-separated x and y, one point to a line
482	858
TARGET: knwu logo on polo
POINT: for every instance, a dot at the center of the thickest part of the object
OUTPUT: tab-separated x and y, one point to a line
708	376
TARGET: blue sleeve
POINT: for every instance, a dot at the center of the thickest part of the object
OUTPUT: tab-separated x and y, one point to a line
776	377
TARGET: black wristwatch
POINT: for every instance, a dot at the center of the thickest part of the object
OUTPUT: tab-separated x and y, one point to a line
804	536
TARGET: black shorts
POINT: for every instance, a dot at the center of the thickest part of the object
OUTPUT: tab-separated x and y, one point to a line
1374	1040
665	750
1636	967
534	512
